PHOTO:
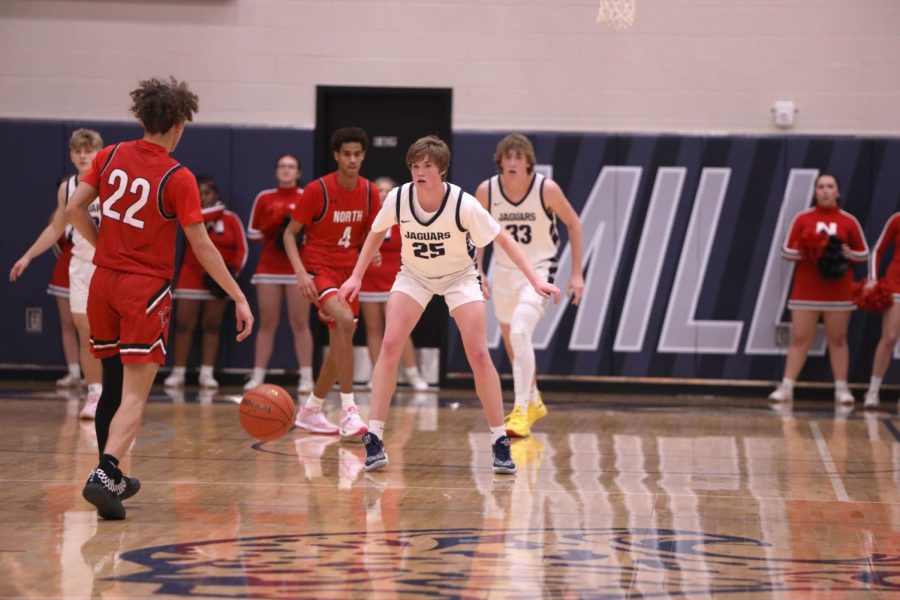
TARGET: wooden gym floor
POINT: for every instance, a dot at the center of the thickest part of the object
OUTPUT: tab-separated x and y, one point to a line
616	497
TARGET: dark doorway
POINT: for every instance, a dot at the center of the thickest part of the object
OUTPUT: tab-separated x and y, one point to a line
393	118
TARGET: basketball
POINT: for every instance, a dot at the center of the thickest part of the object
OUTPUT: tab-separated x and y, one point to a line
267	412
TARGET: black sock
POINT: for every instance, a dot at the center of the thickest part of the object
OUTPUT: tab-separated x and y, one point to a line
110	465
110	399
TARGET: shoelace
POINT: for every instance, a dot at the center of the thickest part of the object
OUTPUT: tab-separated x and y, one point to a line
115	488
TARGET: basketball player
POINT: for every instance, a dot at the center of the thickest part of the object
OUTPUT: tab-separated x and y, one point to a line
144	193
890	324
274	277
526	204
440	226
814	297
59	289
83	147
336	211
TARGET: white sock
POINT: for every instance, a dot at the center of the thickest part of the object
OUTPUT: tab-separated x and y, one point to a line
306	373
788	383
95	388
314	401
874	384
377	427
206	371
533	396
412	373
259	374
497	433
841	385
179	371
347	400
75	370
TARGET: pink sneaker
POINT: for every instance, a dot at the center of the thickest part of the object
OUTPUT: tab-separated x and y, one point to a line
90	406
315	421
351	423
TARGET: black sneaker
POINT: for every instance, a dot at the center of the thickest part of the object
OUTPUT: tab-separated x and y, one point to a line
132	487
101	491
503	462
376	457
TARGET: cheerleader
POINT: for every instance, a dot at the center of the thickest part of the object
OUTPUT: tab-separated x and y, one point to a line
890	324
821	241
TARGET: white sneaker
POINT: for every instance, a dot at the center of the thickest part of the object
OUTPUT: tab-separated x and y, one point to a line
174	380
843	397
90	406
252	384
352	424
209	382
305	386
419	384
315	421
782	393
871	399
68	380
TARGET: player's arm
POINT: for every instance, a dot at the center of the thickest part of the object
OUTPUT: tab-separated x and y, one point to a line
47	237
77	212
211	260
481	194
350	288
512	249
557	202
307	287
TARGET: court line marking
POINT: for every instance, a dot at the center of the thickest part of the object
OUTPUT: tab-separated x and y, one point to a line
892	428
833	475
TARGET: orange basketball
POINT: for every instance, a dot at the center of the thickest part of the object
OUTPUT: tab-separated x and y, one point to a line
267	412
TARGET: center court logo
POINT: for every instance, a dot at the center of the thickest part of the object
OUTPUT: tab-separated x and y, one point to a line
608	563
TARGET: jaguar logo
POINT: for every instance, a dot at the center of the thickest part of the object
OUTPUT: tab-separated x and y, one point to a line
473	562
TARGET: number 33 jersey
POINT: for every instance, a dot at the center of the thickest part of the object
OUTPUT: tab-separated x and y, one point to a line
143	194
438	245
528	220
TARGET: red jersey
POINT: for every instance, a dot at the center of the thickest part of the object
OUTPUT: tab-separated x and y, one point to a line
378	279
336	221
812	291
227	234
270	209
890	235
142	192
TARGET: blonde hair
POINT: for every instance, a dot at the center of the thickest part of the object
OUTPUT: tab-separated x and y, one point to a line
515	142
85	138
434	148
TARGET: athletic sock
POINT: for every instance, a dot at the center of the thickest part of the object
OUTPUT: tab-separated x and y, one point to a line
497	433
110	465
259	374
75	370
206	371
377	427
874	384
313	401
306	373
347	400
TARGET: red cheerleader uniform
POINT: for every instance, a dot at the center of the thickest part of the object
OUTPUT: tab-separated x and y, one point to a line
890	235
812	291
59	281
270	209
227	234
378	280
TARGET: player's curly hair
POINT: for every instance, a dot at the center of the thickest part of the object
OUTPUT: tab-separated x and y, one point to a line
160	105
347	135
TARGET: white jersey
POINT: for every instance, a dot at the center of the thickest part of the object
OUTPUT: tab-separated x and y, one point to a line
81	248
440	246
528	221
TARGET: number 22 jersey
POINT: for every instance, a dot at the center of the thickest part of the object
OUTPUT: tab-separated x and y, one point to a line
144	193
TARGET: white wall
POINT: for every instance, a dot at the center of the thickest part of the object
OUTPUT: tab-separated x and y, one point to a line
687	65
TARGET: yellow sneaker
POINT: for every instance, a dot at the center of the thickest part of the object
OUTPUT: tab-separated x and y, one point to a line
517	424
537	410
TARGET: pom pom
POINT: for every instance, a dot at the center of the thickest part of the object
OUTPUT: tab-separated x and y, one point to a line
832	264
876	299
812	245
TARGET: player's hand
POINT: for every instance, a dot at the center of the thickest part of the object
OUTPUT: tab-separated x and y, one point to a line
376	260
19	268
350	289
485	285
307	287
546	290
576	288
243	318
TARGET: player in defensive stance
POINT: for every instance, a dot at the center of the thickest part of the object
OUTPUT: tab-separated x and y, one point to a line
526	204
440	227
144	194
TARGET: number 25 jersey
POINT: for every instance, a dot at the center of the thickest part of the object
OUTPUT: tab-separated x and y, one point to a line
143	194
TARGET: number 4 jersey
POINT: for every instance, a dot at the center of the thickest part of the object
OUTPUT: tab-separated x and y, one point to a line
336	221
143	192
527	220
